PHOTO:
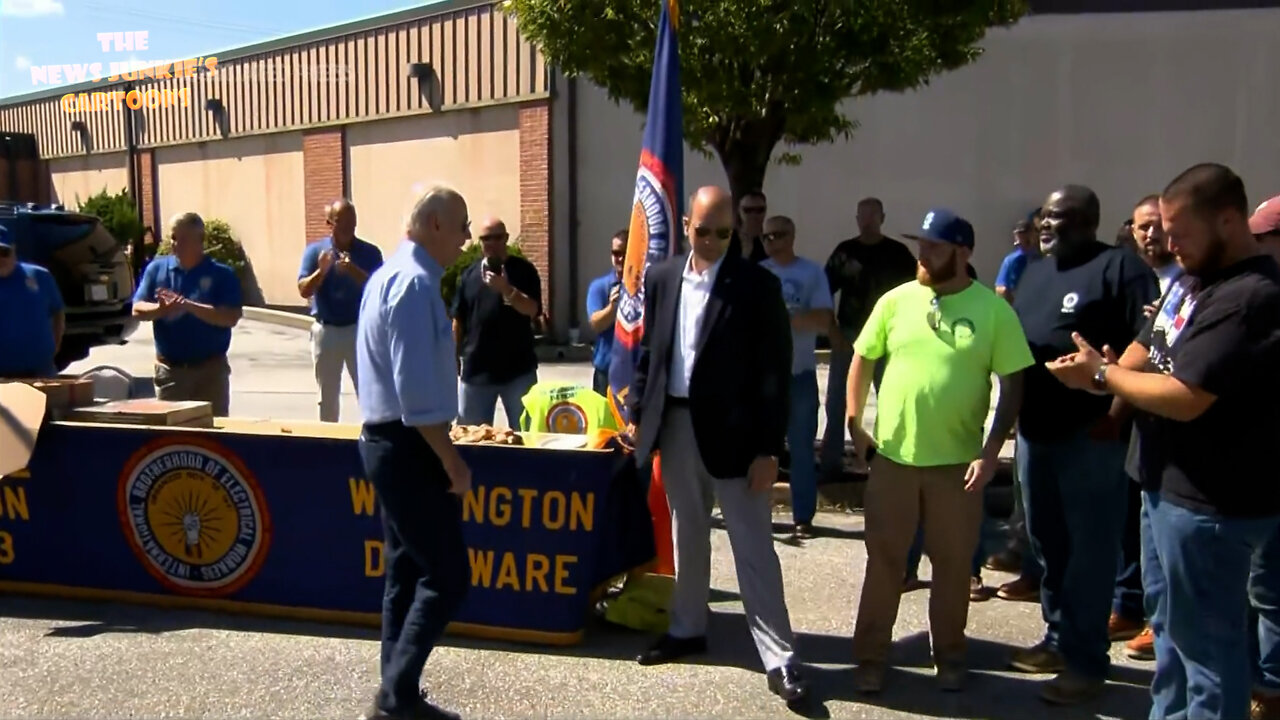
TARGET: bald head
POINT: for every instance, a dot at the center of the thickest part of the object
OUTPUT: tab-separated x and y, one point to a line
1069	219
493	238
340	216
710	223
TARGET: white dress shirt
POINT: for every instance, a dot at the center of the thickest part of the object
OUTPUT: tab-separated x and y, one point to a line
695	290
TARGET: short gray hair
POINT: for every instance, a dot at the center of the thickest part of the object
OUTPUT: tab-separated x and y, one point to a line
191	220
432	202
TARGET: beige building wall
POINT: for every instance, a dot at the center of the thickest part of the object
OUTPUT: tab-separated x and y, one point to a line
1121	102
76	179
256	185
390	162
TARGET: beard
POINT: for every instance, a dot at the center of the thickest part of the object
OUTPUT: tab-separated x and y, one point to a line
938	275
1211	260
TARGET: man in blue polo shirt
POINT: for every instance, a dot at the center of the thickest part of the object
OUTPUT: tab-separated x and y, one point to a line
193	302
602	311
31	316
1013	265
332	276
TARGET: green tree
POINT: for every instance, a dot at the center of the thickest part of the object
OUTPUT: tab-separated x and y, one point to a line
118	213
470	254
759	72
220	244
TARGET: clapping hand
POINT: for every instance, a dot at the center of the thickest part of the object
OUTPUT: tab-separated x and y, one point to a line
326	261
170	302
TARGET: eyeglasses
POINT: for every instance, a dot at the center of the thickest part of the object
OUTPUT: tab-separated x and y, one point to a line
493	236
753	209
934	316
770	237
703	231
618	253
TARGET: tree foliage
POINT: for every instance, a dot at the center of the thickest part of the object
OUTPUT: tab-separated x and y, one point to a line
759	72
220	244
469	255
118	213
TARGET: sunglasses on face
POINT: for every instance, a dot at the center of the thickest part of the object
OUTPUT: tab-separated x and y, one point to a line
618	253
702	231
934	316
493	237
753	209
771	236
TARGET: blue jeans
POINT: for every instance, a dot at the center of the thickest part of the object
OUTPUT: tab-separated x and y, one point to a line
1200	581
1127	601
917	545
837	380
1264	615
477	403
802	430
1073	492
425	555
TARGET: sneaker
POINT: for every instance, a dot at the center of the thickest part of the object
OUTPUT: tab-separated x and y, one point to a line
868	678
1009	561
1142	647
1020	590
1122	628
1039	659
977	591
951	678
1264	707
1070	688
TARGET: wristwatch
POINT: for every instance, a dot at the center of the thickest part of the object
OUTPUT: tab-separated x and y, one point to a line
1100	377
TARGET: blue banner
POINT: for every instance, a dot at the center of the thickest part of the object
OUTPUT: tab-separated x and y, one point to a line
657	212
288	525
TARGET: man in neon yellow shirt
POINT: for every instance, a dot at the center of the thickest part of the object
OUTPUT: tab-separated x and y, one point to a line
943	336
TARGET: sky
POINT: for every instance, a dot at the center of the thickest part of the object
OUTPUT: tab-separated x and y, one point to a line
50	35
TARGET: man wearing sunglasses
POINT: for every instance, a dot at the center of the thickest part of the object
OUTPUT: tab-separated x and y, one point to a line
808	300
602	311
942	337
711	392
748	239
31	316
493	310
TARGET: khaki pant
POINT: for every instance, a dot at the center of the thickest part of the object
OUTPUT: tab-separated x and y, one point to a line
333	347
209	381
898	497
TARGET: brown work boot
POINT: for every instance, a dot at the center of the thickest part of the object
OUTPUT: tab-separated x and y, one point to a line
1020	590
1009	561
1122	628
1142	647
1264	707
1039	659
1071	688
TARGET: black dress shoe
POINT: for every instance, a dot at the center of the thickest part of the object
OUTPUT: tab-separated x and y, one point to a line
423	709
669	649
787	683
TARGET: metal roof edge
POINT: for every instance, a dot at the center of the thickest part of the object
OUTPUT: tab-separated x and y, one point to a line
328	32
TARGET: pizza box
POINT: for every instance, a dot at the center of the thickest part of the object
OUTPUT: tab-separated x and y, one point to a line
146	411
62	393
22	410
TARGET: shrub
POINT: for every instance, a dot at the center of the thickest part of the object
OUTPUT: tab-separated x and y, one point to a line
470	254
118	213
220	245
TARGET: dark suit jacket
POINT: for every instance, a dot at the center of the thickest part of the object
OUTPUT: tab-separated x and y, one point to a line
739	391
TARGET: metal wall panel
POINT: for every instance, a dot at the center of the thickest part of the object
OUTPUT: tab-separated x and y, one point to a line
477	54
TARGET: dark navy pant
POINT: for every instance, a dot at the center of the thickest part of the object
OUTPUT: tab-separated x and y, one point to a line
1074	491
1264	616
1127	601
1196	569
427	571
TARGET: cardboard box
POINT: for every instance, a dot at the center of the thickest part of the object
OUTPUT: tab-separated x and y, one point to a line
62	393
147	412
22	410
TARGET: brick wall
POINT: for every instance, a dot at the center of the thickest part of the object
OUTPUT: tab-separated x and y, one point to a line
324	167
535	191
147	189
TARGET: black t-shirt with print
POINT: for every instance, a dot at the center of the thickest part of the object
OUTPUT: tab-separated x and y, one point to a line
1221	334
497	340
1098	292
862	272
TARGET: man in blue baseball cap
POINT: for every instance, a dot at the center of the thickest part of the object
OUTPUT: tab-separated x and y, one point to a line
942	336
31	316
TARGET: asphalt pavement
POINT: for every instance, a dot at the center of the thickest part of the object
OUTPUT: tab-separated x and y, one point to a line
89	660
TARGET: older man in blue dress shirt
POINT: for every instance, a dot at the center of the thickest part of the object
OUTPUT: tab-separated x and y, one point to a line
407	391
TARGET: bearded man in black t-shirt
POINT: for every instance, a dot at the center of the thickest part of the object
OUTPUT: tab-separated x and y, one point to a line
1202	378
1071	449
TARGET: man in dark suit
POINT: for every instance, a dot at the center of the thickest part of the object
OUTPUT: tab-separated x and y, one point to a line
711	392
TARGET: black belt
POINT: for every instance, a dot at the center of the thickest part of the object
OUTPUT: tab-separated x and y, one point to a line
189	364
677	401
334	324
